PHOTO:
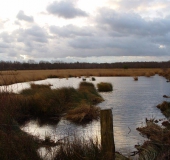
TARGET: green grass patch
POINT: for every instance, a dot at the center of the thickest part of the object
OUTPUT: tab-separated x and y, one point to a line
104	87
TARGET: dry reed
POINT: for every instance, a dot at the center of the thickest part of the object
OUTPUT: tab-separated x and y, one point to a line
10	77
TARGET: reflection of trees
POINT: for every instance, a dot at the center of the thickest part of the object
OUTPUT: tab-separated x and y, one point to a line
32	65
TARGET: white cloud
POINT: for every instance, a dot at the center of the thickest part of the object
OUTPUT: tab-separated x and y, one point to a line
162	46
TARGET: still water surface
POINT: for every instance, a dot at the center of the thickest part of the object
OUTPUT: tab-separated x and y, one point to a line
131	102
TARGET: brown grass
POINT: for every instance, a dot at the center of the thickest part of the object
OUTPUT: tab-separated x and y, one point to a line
83	113
165	108
10	77
158	147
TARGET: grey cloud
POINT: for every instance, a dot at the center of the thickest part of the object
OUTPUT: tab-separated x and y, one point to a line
4	45
33	34
6	37
72	31
65	9
22	16
126	46
126	34
132	23
137	5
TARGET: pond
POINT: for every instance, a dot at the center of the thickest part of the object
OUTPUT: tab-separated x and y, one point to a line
131	102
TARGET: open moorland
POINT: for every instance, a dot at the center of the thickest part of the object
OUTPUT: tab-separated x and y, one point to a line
10	77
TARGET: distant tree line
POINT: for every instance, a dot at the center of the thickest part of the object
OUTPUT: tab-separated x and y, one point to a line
32	65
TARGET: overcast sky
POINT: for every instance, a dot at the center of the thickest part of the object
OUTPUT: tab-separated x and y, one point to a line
85	30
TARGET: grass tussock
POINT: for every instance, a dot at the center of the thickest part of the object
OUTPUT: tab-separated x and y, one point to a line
80	149
93	78
165	108
135	78
83	113
104	87
40	101
89	93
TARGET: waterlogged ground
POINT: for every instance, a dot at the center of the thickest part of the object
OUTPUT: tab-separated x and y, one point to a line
131	102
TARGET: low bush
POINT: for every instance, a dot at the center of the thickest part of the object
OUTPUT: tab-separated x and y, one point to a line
104	87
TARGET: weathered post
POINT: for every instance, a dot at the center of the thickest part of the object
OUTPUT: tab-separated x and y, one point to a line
107	137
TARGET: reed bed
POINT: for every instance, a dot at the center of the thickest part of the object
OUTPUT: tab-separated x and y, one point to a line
10	77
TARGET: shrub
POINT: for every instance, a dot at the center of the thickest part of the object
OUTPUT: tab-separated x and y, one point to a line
104	87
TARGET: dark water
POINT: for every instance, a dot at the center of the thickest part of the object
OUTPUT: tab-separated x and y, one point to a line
131	102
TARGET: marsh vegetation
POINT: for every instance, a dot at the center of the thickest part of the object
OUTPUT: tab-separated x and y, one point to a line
41	101
11	77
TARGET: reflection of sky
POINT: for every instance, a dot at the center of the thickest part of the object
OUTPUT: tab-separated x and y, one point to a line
131	102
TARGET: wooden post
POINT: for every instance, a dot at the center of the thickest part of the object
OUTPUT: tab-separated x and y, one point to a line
107	137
